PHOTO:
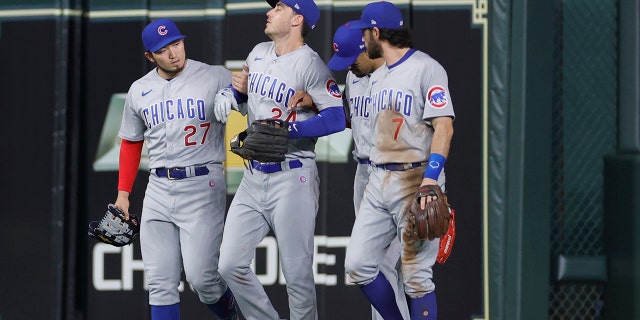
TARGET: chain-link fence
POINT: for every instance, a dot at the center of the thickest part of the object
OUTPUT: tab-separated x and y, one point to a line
584	131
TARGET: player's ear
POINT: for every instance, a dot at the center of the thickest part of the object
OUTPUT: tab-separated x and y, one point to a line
375	33
149	56
297	20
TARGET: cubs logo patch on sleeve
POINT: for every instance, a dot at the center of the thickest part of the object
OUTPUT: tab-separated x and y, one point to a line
437	97
333	89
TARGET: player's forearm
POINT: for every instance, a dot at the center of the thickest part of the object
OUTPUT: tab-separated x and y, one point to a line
328	121
123	195
130	153
442	135
440	144
122	202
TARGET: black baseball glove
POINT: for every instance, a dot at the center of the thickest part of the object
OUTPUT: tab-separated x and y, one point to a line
264	141
114	229
433	221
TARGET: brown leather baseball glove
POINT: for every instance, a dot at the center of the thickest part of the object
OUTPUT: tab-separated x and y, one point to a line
433	221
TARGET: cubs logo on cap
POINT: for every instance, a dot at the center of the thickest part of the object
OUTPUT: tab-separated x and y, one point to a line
383	15
159	33
347	46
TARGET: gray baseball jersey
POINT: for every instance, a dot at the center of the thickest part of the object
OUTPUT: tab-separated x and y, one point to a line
175	118
357	96
403	100
400	106
281	197
274	79
182	220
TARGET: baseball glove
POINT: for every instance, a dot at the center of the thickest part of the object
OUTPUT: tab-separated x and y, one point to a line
114	229
433	221
264	141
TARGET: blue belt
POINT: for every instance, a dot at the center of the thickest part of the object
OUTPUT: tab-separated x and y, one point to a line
399	166
271	167
181	172
363	160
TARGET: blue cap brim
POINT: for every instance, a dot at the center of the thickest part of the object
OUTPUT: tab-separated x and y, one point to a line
165	42
359	24
338	63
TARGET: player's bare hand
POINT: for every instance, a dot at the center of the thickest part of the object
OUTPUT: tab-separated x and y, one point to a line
122	203
301	100
427	199
240	80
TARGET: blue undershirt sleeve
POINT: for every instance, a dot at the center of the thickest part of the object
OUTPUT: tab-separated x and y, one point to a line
328	121
240	97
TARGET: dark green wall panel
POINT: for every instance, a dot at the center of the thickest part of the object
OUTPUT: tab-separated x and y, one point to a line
26	274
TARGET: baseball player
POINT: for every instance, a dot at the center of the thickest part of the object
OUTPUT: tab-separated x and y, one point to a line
411	114
283	196
349	53
171	108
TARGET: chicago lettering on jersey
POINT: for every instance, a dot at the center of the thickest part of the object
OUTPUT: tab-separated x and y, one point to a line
174	109
270	87
390	99
359	106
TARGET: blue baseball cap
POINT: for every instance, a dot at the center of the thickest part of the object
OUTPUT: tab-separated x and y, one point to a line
347	46
307	8
383	15
159	33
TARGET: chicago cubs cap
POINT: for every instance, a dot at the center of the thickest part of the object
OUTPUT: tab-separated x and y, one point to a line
347	46
159	33
307	8
383	15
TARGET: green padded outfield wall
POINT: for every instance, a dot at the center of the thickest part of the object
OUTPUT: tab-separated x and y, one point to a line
584	131
622	178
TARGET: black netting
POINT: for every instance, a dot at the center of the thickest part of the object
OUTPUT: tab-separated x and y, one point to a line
584	131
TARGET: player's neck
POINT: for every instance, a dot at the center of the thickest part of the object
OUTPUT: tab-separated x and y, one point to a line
377	63
169	75
288	44
393	54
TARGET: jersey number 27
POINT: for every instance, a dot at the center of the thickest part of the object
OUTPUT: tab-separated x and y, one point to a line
191	131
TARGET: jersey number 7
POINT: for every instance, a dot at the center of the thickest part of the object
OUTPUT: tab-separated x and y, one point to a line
400	122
